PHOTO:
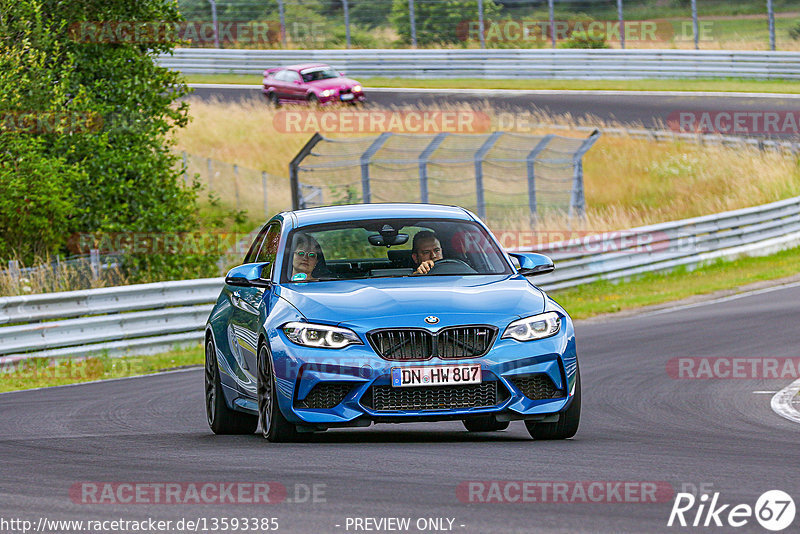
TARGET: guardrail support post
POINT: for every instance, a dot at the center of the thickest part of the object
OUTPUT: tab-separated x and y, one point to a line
365	157
13	270
94	263
530	161
621	24
577	204
479	155
294	165
423	165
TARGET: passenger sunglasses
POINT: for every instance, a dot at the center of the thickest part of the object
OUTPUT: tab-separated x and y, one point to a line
302	253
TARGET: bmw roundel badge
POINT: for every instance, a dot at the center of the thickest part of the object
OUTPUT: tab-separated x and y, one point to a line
431	319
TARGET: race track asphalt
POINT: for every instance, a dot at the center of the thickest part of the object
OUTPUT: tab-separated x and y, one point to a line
649	110
638	425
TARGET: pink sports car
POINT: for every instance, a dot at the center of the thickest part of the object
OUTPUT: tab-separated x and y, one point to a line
313	83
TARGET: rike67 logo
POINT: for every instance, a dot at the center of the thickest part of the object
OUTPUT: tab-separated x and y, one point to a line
774	510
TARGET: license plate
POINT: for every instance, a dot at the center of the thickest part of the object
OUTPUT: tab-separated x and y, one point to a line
436	375
349	96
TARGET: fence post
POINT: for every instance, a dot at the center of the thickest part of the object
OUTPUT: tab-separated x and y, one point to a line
346	23
282	16
264	191
185	169
236	184
551	9
423	165
621	24
366	194
695	25
94	263
13	270
481	24
530	161
214	22
210	177
294	166
577	204
479	155
771	24
413	22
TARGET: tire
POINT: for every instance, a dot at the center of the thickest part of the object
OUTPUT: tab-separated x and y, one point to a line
221	419
568	421
485	423
273	100
313	101
274	426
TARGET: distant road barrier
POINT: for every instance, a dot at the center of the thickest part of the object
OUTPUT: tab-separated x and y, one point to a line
501	63
151	318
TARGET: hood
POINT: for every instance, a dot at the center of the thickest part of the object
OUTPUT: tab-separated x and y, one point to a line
333	83
385	302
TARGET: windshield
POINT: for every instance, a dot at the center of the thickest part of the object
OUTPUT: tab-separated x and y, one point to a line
313	75
390	248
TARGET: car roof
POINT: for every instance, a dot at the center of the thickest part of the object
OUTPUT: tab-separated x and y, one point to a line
303	66
359	212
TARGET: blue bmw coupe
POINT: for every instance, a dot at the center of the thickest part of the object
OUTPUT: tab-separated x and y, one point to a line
345	316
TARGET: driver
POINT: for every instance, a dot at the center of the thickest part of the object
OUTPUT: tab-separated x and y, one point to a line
307	253
426	250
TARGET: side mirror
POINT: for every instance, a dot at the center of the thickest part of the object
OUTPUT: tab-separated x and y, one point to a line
341	73
531	264
249	275
298	82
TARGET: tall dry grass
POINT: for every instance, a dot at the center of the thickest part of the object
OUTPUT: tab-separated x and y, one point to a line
50	276
628	181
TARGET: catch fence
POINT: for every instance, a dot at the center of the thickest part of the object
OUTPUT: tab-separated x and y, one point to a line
501	176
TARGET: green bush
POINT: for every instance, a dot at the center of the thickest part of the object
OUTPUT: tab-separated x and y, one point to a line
794	33
118	174
581	39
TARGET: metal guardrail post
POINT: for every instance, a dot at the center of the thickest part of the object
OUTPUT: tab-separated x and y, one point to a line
771	24
94	263
294	166
346	8
479	155
413	21
529	161
551	11
695	25
621	24
210	177
364	160
481	27
282	16
423	164
264	191
236	184
577	205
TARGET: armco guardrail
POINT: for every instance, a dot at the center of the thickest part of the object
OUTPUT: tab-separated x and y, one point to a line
613	255
501	63
143	318
154	317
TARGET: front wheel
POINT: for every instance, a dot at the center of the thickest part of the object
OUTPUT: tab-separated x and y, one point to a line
274	426
567	424
222	419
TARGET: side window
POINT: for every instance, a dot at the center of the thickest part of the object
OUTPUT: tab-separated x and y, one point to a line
269	249
292	76
251	253
281	75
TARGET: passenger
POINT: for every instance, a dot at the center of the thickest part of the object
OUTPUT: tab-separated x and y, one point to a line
426	250
306	257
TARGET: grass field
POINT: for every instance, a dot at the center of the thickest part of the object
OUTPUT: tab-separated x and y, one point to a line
724	85
629	182
582	303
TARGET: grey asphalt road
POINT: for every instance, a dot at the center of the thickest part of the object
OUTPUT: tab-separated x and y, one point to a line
647	110
638	425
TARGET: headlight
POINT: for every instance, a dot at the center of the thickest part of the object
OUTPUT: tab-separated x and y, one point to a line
326	93
320	335
356	88
536	327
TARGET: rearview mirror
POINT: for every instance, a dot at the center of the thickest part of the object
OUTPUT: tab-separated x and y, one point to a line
387	239
249	275
531	264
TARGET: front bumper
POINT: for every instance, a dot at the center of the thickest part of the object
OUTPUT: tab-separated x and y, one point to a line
356	375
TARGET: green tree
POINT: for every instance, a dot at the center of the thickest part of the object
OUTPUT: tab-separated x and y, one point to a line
441	22
122	174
